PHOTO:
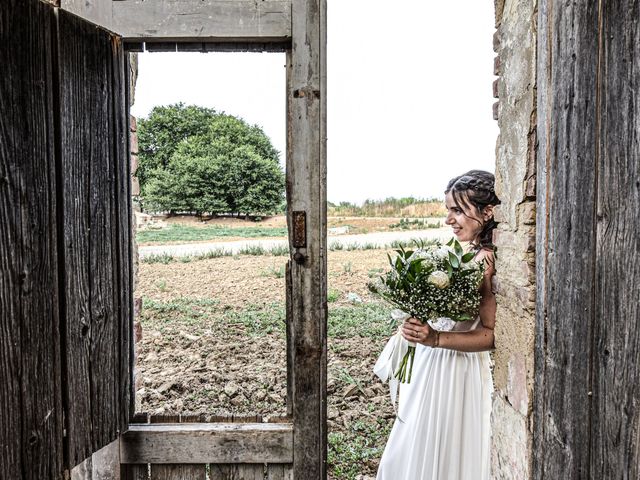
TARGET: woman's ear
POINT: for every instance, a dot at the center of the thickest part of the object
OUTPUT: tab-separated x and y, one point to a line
487	212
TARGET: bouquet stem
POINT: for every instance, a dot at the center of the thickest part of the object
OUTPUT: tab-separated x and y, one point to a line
406	366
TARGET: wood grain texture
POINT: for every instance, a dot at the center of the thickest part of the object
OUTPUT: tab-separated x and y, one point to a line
93	142
172	472
207	443
189	20
101	465
139	471
124	230
587	342
31	445
615	435
568	57
306	191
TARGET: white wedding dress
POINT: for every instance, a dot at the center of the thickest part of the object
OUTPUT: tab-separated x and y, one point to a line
442	430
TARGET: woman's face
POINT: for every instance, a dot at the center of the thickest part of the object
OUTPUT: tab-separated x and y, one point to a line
465	227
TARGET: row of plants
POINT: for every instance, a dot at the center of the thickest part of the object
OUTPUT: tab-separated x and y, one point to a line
275	250
390	207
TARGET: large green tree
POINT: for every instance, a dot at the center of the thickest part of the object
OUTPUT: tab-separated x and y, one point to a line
198	160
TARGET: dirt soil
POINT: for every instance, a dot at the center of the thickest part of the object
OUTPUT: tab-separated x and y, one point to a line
213	342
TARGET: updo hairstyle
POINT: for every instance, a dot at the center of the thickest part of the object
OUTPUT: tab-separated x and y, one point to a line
476	189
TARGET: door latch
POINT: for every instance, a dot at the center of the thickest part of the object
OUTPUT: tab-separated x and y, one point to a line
299	240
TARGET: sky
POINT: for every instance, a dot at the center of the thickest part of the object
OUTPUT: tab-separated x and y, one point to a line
408	94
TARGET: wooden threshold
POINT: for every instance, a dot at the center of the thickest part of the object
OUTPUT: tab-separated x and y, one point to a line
207	443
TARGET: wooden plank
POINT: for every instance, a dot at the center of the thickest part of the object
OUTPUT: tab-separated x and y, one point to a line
190	20
76	246
174	472
306	182
133	471
98	12
124	228
207	443
92	146
104	331
102	465
615	423
279	472
565	316
83	471
31	445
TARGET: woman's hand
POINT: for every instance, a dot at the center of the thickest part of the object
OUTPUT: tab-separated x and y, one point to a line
413	330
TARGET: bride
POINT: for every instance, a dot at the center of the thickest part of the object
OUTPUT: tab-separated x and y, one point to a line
442	430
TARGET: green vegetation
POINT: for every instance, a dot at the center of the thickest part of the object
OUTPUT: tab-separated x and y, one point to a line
276	251
185	233
390	207
362	443
370	320
202	314
197	160
273	271
414	224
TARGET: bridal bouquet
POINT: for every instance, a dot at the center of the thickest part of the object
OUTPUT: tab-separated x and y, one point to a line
433	283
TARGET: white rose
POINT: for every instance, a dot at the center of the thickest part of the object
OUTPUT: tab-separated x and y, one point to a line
439	279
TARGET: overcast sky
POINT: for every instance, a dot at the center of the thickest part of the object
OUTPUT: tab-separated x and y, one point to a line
409	93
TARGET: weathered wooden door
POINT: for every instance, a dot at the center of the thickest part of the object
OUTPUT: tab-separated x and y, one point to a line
297	27
587	390
65	289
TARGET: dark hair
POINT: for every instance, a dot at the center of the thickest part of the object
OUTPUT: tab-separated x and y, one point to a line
476	189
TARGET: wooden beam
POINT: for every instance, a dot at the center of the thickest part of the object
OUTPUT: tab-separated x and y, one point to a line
566	225
213	21
31	405
208	443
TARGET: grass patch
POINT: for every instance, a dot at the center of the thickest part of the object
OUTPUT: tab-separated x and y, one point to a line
253	250
273	271
363	320
414	224
185	233
332	295
209	314
361	444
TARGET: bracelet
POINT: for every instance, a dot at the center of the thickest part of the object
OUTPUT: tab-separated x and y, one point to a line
436	343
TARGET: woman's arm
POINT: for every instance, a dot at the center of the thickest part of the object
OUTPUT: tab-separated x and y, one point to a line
478	340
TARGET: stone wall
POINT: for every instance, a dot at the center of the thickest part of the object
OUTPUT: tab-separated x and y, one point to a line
515	44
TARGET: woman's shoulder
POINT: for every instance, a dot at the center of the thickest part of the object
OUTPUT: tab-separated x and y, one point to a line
486	255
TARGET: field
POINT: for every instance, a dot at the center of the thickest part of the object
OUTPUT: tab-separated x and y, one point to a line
213	342
213	329
187	229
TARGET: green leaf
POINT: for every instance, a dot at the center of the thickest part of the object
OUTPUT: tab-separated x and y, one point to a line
454	260
467	257
450	242
457	248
